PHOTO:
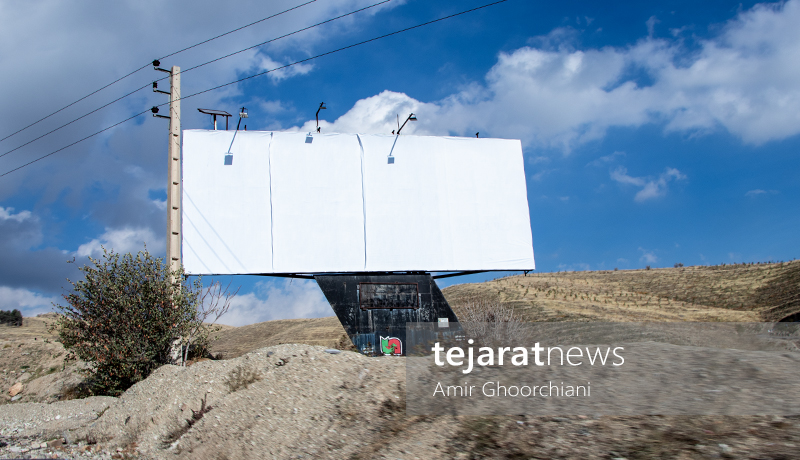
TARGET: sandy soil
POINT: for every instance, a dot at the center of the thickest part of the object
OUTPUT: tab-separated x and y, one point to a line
272	399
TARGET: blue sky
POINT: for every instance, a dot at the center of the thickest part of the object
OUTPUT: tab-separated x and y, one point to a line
653	132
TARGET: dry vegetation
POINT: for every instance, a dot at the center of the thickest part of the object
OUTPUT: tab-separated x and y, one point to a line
293	399
758	292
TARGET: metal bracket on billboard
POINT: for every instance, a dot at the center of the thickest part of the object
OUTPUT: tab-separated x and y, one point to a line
450	275
287	275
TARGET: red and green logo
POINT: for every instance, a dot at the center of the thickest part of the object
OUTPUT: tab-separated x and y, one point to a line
391	346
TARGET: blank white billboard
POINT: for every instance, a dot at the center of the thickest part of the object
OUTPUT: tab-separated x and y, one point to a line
333	203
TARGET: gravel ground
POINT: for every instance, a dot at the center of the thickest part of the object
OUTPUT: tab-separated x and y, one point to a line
299	401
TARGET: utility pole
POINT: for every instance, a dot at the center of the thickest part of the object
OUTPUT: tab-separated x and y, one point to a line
173	165
173	184
174	172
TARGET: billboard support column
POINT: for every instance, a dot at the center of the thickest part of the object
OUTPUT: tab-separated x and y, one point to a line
174	172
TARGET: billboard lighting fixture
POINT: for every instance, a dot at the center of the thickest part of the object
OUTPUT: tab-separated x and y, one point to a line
411	117
321	107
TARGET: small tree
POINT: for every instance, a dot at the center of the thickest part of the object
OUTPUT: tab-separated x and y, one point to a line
12	318
124	317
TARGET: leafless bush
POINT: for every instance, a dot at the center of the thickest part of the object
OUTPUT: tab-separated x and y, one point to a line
241	377
489	320
197	415
213	302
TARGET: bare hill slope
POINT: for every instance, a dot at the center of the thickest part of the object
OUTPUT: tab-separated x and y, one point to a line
744	292
272	399
234	342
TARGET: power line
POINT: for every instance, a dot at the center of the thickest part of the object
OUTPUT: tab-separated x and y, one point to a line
145	66
340	49
284	36
264	73
76	142
73	121
191	68
236	30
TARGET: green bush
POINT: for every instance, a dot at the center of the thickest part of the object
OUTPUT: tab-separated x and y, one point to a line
124	317
12	318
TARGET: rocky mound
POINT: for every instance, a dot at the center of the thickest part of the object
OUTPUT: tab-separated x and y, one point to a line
301	401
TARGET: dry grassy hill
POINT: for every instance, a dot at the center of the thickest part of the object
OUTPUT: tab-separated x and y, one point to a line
761	292
743	292
304	400
236	341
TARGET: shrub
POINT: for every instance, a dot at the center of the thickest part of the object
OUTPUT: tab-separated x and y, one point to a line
123	318
242	377
489	320
12	318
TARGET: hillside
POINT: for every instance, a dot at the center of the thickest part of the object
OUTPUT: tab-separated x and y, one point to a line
270	398
760	292
743	292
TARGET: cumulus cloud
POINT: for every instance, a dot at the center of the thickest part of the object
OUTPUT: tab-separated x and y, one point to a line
650	187
265	63
648	257
278	300
30	303
8	214
122	240
25	263
742	80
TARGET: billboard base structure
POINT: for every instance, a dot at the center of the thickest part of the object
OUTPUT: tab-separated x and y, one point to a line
375	307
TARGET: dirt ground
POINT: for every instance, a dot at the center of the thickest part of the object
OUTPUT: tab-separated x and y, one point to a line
270	398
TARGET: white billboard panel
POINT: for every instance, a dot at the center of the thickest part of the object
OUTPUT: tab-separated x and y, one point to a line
318	217
226	209
328	203
446	203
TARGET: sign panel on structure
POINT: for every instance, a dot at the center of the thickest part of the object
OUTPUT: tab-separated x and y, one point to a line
334	203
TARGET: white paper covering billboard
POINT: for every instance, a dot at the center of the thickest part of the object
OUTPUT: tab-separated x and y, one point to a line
333	203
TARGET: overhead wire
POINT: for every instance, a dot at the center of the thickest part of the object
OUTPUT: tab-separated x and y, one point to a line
284	36
76	142
197	66
264	73
148	65
338	50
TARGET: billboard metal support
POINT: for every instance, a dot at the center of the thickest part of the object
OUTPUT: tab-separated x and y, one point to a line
375	307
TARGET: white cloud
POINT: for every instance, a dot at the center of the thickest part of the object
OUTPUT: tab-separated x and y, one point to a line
606	159
278	300
8	214
537	176
576	267
651	188
758	192
379	114
265	63
648	257
122	240
651	26
743	80
30	303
